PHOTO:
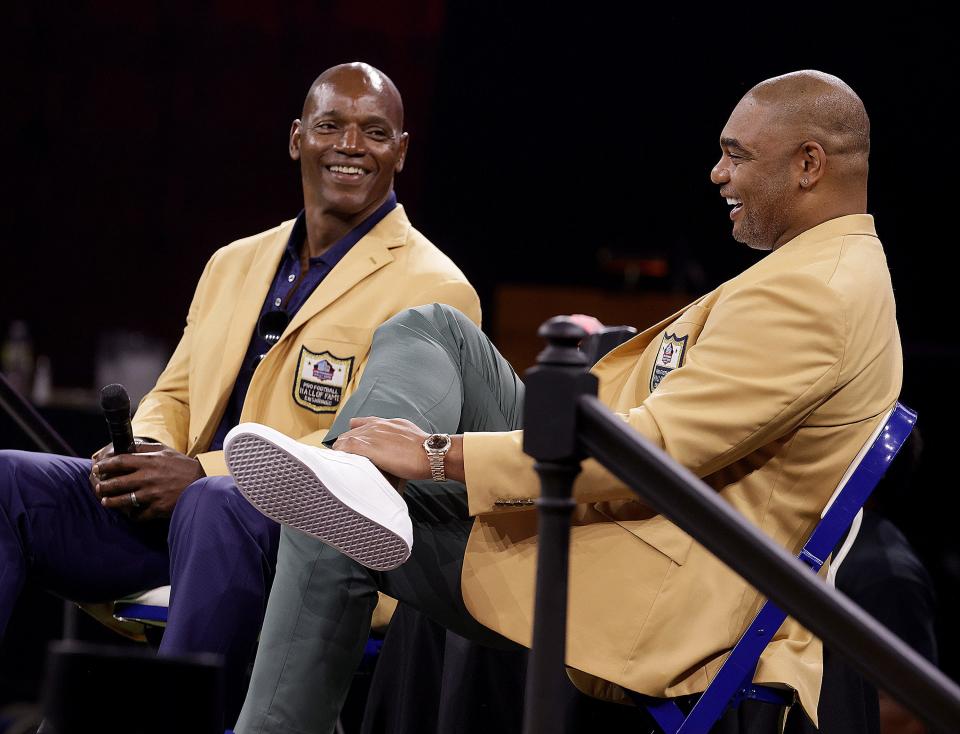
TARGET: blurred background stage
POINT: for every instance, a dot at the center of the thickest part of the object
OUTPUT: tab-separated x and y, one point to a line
561	160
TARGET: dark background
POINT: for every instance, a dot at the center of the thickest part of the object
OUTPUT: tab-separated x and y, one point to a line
138	138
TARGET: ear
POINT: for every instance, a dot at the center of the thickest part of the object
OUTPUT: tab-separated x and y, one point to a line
295	140
813	164
404	142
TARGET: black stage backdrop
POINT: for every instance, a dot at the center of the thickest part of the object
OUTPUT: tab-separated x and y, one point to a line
139	137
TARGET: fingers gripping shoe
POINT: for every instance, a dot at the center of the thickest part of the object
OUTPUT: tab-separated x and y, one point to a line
339	498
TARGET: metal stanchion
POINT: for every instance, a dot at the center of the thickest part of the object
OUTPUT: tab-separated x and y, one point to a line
550	415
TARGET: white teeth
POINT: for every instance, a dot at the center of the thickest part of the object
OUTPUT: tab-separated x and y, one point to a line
347	169
733	202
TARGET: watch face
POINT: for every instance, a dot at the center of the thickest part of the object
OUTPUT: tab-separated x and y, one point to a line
438	441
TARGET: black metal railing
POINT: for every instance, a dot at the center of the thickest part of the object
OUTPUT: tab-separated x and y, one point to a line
563	423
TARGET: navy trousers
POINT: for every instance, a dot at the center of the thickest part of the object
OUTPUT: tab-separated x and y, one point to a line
217	552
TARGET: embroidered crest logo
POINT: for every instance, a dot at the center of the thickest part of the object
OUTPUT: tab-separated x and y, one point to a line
323	370
669	357
320	380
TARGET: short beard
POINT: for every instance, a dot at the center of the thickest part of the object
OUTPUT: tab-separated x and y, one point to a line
765	221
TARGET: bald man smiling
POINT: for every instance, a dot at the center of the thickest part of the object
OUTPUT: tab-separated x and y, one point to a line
793	124
278	332
766	388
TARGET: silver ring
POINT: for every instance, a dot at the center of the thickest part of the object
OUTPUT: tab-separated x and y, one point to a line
133	499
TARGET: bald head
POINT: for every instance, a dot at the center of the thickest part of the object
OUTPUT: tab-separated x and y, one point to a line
812	105
356	78
795	154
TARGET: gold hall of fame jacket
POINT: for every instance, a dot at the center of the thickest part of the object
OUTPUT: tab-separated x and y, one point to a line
309	374
765	388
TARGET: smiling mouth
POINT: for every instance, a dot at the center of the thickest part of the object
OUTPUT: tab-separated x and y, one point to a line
736	204
347	171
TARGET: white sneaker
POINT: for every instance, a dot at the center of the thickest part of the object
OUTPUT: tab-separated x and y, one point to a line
339	498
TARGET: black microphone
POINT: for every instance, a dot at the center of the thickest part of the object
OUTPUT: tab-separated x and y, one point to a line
116	409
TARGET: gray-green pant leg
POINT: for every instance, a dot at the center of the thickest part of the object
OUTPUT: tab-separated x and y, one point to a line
432	366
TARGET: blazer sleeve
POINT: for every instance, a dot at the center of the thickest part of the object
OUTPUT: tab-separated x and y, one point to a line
164	412
769	353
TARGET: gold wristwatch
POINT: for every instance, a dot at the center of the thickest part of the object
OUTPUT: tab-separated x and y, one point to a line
437	445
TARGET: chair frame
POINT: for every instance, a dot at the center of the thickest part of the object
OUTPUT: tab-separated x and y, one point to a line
733	683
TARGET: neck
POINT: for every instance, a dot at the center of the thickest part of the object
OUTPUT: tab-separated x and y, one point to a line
323	229
325	226
830	205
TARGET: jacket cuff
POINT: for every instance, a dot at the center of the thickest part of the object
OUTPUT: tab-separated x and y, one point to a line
499	476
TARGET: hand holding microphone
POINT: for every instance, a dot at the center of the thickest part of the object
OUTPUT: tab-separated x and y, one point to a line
145	479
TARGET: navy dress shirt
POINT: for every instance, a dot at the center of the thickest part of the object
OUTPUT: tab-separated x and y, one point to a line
291	288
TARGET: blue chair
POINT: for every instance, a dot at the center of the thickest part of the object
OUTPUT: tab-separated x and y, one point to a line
148	608
734	681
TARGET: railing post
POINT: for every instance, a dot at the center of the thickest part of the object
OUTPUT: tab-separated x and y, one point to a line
553	388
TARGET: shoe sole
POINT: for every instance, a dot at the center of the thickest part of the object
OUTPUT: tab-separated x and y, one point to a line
286	490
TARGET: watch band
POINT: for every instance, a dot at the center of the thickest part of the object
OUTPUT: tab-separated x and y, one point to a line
437	445
436	467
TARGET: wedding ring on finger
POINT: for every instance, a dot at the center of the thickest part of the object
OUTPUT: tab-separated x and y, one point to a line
133	499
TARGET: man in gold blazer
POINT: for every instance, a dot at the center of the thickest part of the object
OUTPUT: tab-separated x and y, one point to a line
279	332
766	388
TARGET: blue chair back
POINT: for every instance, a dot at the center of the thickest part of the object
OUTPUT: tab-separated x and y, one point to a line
734	681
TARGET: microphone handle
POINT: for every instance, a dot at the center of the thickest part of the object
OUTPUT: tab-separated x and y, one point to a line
121	433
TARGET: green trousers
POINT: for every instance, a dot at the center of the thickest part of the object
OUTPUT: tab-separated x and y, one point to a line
434	367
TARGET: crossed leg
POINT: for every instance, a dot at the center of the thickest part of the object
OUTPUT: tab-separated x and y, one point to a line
432	366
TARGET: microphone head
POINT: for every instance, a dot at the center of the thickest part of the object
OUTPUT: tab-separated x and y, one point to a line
114	397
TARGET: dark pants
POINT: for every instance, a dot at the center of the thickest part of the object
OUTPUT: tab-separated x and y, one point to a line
217	552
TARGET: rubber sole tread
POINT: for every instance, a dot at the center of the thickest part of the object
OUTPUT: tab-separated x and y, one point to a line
284	489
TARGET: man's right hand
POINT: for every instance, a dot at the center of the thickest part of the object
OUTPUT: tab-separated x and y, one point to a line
155	475
106	452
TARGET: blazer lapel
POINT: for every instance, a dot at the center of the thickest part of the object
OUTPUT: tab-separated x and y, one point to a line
367	256
255	287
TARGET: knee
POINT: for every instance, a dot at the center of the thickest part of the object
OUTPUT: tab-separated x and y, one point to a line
8	464
12	464
209	496
10	459
213	506
435	318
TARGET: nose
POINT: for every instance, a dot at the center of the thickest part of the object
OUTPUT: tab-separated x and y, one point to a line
719	173
350	140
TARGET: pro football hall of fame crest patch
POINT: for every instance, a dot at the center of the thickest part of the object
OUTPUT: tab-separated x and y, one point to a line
320	380
669	357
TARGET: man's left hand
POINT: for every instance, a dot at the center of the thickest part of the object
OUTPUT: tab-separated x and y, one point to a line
395	446
156	478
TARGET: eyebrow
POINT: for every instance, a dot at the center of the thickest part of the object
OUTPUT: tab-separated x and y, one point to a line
735	144
372	120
